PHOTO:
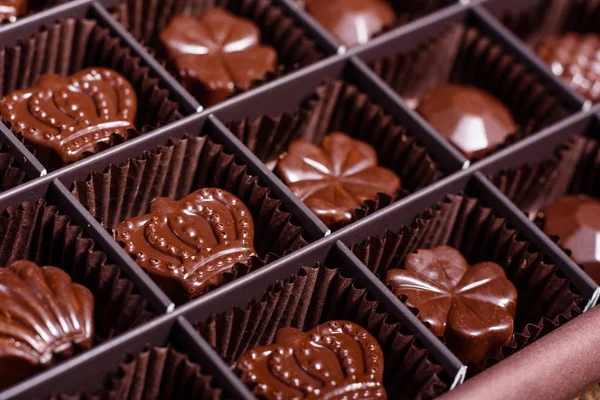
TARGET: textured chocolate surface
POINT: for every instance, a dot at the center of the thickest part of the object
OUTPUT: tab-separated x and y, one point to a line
336	360
472	120
336	178
186	245
217	53
352	22
471	307
11	9
576	220
65	117
576	59
43	315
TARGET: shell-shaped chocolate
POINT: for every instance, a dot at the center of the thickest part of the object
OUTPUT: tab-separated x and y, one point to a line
336	360
71	115
43	314
187	244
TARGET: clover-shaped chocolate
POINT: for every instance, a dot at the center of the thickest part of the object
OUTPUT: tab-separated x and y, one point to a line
43	314
186	245
11	9
336	178
65	117
217	53
336	360
471	307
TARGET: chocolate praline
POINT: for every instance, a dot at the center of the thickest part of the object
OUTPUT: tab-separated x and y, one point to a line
471	119
335	360
471	307
11	9
576	221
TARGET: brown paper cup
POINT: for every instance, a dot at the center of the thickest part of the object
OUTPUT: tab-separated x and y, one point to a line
314	296
155	373
466	56
545	300
11	175
71	45
178	169
338	106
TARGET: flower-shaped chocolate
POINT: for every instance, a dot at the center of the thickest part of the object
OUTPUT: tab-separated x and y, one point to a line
336	360
217	53
336	178
11	9
471	307
186	245
65	117
42	314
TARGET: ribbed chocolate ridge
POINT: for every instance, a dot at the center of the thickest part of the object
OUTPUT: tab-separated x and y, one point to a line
545	300
466	56
71	45
174	171
155	373
145	20
339	106
316	295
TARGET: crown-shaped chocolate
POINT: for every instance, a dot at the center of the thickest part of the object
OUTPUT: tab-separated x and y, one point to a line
71	115
189	243
336	360
42	314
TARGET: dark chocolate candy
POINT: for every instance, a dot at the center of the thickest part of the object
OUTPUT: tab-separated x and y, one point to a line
186	245
353	22
472	120
471	307
336	178
336	360
11	9
65	117
576	59
576	220
43	315
217	53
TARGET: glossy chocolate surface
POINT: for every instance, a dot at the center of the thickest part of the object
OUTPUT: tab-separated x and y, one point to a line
472	308
42	315
217	53
352	22
576	220
576	59
336	178
335	360
65	117
11	9
186	245
474	121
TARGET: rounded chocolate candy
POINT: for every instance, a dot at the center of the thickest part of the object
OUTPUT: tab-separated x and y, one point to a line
11	9
474	121
576	220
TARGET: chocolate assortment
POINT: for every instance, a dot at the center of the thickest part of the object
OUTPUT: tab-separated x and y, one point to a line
298	198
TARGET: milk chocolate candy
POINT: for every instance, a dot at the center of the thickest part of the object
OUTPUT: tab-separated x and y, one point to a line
336	360
472	308
186	245
576	59
336	178
352	22
576	221
11	9
43	315
217	53
472	120
64	117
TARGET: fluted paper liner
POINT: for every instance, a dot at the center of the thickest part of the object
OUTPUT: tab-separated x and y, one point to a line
339	106
71	45
463	55
146	19
154	373
11	175
545	299
316	295
178	169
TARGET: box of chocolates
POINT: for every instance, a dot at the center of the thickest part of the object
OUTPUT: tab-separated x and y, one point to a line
299	199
